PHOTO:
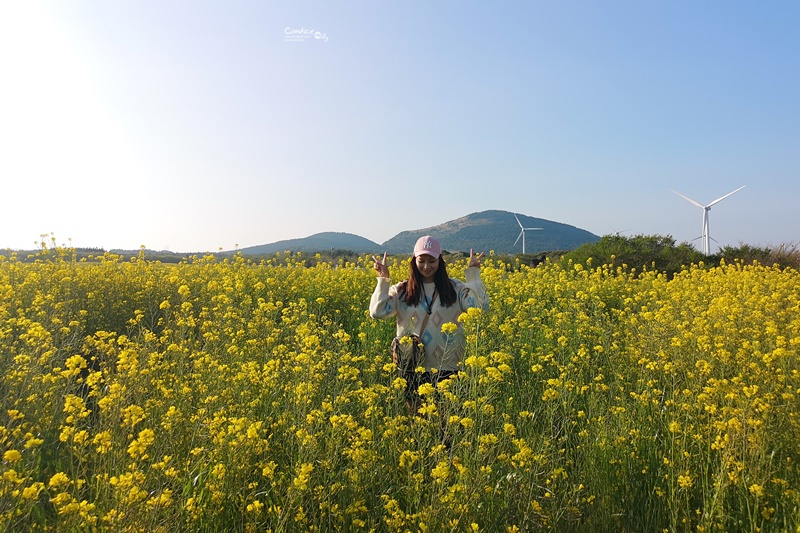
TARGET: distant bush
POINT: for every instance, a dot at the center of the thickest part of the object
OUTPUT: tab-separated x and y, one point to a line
651	252
661	253
784	256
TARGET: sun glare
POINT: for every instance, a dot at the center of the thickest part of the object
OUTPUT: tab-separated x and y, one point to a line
64	158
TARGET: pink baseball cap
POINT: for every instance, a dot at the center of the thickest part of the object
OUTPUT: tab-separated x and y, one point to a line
427	245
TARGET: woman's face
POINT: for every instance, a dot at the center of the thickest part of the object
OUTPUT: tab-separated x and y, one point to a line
427	266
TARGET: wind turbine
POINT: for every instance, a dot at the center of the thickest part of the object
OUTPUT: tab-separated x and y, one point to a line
618	233
522	233
706	208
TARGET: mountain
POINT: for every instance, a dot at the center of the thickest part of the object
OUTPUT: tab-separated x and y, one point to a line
484	231
319	242
495	230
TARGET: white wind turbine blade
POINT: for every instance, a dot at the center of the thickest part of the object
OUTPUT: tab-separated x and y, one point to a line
522	231
701	206
723	197
620	232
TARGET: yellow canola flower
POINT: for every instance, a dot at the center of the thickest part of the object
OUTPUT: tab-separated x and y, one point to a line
58	480
426	389
756	490
300	481
255	507
32	492
32	442
477	361
138	447
408	458
269	469
441	471
12	456
12	476
449	328
102	442
161	500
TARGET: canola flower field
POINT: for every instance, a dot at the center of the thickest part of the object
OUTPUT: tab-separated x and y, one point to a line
222	395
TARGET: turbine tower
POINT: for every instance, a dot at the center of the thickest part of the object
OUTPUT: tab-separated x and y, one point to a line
706	208
522	233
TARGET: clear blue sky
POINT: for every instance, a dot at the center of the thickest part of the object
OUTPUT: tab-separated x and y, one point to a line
199	125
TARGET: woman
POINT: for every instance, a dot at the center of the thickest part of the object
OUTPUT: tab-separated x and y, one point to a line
429	291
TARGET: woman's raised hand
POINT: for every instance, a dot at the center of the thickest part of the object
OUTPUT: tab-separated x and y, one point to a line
475	260
381	267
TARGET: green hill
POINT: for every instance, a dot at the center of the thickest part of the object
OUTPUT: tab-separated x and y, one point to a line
495	230
484	231
320	242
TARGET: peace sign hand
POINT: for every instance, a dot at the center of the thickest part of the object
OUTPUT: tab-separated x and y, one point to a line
475	260
381	267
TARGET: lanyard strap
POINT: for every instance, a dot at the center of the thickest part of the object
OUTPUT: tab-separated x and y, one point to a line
428	314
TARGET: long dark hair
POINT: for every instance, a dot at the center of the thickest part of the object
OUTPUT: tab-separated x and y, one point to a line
411	290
